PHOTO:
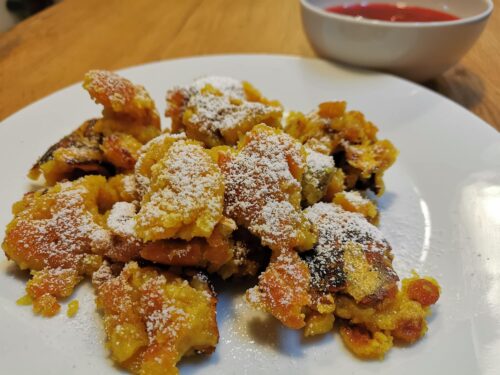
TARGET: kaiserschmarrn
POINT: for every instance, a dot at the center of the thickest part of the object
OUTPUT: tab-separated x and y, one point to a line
230	189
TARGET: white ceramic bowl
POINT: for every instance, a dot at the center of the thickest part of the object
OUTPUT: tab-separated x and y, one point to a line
415	50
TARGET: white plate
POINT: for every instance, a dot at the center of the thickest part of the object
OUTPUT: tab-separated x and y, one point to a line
441	213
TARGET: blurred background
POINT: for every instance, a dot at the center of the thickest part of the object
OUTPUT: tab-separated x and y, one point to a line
14	11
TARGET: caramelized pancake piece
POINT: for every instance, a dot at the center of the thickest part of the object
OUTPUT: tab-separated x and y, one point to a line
119	202
57	227
62	227
365	344
319	313
210	253
369	161
219	110
318	323
177	252
185	196
224	252
244	261
248	256
121	98
121	150
153	318
371	329
107	144
353	201
263	194
217	251
263	188
58	233
283	290
318	174
351	256
350	138
49	285
61	234
73	156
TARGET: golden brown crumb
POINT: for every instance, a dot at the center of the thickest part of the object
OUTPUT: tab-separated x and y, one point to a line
72	308
153	318
351	139
283	290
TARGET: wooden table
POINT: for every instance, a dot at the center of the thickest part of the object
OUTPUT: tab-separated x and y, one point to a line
54	48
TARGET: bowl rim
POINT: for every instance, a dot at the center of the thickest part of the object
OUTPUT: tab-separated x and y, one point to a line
378	23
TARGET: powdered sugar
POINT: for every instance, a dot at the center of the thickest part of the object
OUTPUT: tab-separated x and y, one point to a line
283	289
279	218
337	226
319	170
355	198
102	275
186	187
142	172
129	184
317	162
167	320
63	238
227	85
218	110
159	322
259	186
117	88
214	113
121	219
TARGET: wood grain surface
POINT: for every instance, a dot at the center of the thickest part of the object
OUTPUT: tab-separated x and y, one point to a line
57	46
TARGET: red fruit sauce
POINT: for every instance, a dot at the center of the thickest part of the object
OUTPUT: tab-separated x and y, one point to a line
393	12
